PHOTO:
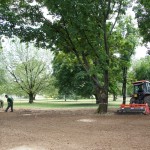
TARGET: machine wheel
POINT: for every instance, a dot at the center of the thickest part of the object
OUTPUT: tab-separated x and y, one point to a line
147	100
132	100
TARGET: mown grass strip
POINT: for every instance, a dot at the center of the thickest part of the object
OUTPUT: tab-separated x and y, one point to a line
60	104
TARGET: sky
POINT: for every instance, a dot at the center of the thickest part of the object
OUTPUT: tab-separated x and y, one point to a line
140	52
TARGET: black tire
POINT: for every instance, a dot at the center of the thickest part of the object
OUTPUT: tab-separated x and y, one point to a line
132	100
147	100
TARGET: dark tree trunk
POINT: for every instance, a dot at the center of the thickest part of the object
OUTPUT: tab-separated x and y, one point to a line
103	99
34	96
31	98
97	94
103	106
97	97
65	98
97	100
124	88
114	97
101	96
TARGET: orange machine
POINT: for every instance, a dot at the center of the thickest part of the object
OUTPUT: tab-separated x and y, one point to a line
134	108
140	100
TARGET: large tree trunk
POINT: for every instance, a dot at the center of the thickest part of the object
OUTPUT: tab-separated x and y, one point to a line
31	98
103	105
101	95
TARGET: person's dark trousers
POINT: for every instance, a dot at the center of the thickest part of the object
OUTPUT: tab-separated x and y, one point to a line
10	105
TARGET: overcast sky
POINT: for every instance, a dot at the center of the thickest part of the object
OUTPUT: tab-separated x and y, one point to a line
140	52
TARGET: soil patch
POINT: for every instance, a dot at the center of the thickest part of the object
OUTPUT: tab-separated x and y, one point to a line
73	129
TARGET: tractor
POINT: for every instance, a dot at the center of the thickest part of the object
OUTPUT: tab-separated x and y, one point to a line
141	92
140	99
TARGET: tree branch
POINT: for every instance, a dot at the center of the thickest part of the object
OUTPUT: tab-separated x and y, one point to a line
120	5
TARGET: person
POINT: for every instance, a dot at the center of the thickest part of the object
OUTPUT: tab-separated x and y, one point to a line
10	103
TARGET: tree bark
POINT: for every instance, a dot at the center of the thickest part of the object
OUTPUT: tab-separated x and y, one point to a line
34	96
102	108
31	98
103	105
114	97
101	96
124	88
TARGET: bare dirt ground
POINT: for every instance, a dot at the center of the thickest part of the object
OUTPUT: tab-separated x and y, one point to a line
73	130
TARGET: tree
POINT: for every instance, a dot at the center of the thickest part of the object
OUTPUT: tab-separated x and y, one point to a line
126	39
71	77
28	67
141	69
142	13
128	43
51	90
83	28
2	75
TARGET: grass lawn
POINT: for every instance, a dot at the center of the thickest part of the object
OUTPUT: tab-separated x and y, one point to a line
51	103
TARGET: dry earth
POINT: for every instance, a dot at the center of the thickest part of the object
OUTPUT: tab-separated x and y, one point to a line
73	130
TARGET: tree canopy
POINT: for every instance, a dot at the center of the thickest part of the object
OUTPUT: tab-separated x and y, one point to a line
141	69
142	10
81	28
71	77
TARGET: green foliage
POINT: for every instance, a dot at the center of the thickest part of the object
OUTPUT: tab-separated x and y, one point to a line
126	40
142	11
71	78
141	69
51	90
31	76
2	75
